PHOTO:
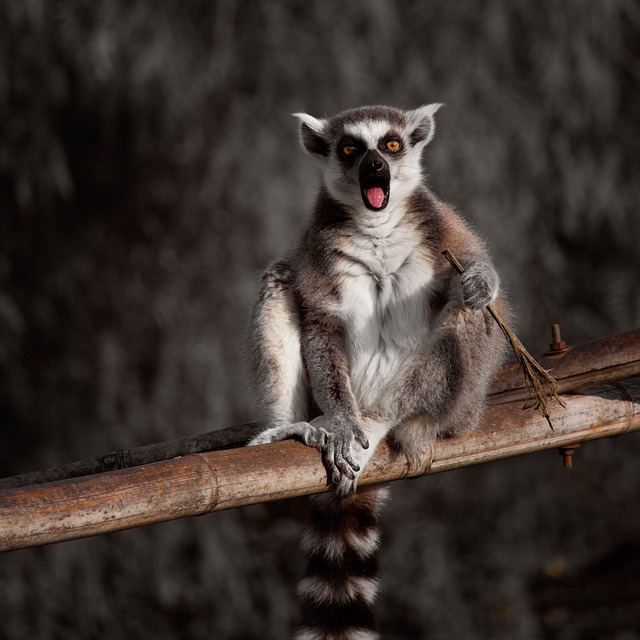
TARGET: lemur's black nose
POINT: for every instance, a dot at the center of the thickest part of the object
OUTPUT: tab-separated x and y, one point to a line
372	162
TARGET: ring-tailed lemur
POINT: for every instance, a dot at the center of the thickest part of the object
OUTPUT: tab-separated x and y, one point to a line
365	330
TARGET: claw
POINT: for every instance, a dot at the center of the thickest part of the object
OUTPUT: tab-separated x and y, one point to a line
346	455
363	440
352	463
346	469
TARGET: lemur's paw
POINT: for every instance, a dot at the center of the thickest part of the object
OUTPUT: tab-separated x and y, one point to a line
343	447
480	284
340	455
307	433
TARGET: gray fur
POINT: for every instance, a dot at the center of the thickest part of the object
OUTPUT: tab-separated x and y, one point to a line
364	330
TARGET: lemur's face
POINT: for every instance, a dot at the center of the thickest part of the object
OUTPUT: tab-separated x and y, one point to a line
370	156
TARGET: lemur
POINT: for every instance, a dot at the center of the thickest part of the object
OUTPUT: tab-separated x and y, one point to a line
364	330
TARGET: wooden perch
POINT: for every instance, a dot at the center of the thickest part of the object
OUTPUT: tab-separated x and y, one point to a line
585	365
582	366
199	483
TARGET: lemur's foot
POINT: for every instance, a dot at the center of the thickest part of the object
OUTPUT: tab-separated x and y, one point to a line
343	448
307	433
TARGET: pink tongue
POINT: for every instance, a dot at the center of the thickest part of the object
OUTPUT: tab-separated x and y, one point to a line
375	196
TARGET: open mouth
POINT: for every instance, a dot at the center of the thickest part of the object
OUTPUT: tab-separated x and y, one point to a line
375	192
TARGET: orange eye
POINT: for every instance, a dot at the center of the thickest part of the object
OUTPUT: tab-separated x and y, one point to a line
393	145
348	149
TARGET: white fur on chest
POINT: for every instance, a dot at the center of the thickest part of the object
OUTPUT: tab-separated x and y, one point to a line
384	291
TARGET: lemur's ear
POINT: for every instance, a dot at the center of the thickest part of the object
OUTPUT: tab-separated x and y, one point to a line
422	124
312	134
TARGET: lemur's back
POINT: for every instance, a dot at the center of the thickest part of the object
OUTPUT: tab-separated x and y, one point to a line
367	321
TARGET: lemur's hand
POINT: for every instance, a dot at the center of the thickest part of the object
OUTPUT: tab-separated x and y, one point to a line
339	442
480	284
342	442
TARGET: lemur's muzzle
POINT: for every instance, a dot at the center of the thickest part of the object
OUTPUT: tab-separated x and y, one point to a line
374	180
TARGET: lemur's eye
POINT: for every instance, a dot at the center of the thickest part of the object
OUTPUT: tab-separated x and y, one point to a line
348	149
393	145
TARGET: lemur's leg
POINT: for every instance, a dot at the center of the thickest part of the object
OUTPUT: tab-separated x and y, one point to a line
279	352
277	361
447	381
278	366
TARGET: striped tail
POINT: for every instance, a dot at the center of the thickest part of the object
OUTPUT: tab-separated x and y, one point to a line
341	582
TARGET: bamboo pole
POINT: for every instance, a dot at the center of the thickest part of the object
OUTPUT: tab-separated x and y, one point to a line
576	367
582	366
203	482
235	436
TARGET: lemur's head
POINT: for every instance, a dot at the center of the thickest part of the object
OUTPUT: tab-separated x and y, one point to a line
370	155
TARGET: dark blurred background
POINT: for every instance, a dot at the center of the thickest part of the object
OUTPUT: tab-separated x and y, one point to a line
149	170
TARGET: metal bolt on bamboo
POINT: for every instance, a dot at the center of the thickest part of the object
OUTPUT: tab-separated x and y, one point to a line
557	345
567	454
540	384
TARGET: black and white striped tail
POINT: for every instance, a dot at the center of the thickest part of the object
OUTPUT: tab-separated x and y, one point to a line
341	583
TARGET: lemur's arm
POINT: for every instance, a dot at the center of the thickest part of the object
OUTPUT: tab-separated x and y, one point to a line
480	282
328	369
